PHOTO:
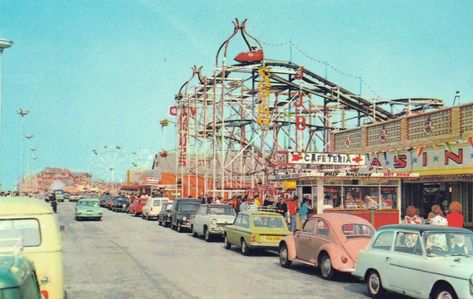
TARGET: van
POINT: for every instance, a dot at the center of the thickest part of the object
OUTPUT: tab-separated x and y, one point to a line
153	206
33	221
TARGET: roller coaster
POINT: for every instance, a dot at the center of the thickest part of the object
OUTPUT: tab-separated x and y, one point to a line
235	126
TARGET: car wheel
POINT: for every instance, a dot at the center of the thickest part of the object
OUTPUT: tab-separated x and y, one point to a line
244	248
326	269
100	218
135	214
207	235
375	286
284	256
444	291
194	234
226	244
159	222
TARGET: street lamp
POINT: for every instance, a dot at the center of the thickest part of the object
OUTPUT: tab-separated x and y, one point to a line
4	44
22	112
29	136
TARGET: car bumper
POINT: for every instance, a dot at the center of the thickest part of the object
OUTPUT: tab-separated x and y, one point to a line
88	215
219	230
268	246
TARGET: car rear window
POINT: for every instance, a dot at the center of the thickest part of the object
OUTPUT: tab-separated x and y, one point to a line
268	221
27	229
189	207
222	211
357	230
88	203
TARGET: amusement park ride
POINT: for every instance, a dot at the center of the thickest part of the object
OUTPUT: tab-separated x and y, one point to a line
235	127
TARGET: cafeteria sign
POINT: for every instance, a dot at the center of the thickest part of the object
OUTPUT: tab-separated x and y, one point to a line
325	159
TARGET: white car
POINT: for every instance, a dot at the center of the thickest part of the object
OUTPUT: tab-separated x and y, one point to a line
211	219
153	206
421	261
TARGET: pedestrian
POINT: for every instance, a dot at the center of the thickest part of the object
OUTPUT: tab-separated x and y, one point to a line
257	201
243	206
267	201
437	217
412	217
304	210
455	218
53	200
281	206
292	206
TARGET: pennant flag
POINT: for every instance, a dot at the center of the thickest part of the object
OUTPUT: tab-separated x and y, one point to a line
420	149
470	140
448	147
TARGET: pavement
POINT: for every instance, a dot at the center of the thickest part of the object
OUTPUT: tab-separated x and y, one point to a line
127	257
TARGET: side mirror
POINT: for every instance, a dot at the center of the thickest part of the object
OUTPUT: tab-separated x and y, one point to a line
62	227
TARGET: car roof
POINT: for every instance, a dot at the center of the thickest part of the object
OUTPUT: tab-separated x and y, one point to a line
216	205
338	219
424	227
22	205
12	270
260	213
89	199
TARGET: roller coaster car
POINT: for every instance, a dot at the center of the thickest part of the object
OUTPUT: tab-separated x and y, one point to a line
249	57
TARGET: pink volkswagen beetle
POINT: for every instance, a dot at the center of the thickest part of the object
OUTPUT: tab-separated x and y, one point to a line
330	241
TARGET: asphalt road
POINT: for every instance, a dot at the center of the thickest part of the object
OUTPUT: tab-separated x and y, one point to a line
127	257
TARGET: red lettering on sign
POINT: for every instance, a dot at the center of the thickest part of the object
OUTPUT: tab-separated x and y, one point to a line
173	110
300	123
192	111
375	162
454	157
299	102
400	161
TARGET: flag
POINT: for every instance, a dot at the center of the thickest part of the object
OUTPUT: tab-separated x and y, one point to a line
420	149
470	140
448	147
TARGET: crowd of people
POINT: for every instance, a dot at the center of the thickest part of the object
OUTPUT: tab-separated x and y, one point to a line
436	216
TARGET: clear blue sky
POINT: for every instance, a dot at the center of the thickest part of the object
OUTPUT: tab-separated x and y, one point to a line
104	72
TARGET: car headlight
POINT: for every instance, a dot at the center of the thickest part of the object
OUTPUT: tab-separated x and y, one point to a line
184	218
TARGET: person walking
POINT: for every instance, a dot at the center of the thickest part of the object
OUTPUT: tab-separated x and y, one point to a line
412	217
292	206
437	217
455	218
304	210
53	200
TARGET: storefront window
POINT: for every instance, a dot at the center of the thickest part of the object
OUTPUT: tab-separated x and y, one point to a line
388	197
351	197
332	196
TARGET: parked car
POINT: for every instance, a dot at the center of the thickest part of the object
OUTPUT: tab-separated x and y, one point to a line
152	207
120	204
17	275
165	215
329	241
136	208
34	222
104	198
421	261
182	211
59	193
210	220
110	201
256	229
88	208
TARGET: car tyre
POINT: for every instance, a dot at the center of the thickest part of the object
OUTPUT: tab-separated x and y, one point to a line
284	256
226	244
194	234
244	248
326	269
444	291
207	235
374	285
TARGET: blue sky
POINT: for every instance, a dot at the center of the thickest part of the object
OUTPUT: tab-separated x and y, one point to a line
95	73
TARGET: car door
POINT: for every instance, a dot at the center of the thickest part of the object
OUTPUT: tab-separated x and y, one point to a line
303	238
403	263
232	230
318	239
380	254
198	227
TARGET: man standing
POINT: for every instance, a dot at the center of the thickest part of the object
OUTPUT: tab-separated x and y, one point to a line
281	207
292	206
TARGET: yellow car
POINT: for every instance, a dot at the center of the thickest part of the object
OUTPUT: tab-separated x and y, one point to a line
33	221
256	229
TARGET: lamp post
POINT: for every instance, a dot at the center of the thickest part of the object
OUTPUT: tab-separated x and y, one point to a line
22	112
4	44
28	159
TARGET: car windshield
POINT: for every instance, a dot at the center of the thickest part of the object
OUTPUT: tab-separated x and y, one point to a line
268	221
448	243
27	229
222	211
189	207
357	230
88	203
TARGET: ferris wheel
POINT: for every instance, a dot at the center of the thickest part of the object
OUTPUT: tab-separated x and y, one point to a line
109	164
143	158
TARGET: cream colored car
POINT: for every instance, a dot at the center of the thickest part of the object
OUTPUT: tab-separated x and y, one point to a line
33	221
153	207
210	220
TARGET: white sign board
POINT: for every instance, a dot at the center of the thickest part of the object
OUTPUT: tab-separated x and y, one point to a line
326	159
